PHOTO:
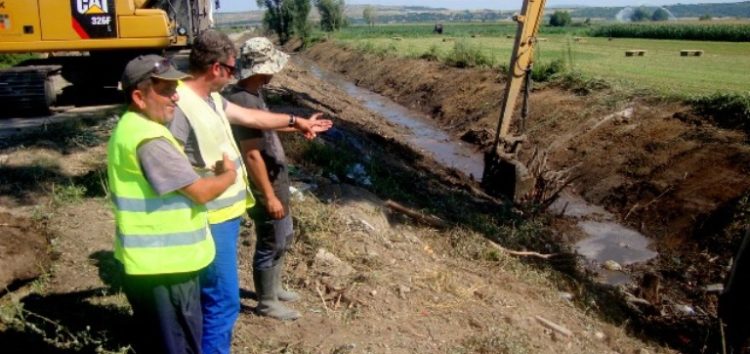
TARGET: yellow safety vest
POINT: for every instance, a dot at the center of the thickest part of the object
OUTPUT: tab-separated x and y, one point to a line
214	135
155	234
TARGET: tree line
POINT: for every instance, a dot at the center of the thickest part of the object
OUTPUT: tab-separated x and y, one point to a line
289	18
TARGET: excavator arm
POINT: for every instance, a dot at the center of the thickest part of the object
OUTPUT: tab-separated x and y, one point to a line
504	175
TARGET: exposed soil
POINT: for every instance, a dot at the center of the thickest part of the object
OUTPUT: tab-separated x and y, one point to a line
371	281
24	250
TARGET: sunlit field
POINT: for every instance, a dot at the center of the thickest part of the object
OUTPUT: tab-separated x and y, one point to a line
724	66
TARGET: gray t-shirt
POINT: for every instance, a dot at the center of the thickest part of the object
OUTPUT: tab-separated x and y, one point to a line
165	168
183	132
271	151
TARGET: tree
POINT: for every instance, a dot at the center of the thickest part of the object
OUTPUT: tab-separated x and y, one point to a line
705	17
660	15
278	17
640	14
300	12
368	14
560	19
331	14
287	17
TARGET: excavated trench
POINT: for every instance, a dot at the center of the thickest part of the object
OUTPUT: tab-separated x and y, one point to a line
653	176
604	238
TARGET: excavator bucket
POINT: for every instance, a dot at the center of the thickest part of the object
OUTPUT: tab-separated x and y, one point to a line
504	175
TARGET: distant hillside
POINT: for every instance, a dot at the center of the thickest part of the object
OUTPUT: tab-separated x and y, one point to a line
740	9
385	14
411	14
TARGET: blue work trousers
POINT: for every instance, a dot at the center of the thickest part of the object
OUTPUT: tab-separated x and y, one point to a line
220	291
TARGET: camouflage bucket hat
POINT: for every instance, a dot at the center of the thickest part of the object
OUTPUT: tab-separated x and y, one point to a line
259	56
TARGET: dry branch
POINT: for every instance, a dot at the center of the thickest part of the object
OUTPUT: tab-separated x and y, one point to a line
522	253
430	220
554	326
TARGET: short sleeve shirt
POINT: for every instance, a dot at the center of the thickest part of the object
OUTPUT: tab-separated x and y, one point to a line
165	168
183	132
271	151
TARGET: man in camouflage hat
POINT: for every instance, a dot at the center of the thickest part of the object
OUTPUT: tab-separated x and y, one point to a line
269	180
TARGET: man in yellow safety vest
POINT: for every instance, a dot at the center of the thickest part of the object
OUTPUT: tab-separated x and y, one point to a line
162	235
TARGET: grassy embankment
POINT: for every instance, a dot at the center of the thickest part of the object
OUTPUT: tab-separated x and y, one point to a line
724	67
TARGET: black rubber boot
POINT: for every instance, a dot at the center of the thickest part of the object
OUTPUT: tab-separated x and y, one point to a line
268	302
283	295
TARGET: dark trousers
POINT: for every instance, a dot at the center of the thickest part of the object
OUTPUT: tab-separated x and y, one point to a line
167	312
274	237
734	304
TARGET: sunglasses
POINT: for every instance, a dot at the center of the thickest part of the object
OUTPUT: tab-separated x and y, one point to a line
159	68
230	69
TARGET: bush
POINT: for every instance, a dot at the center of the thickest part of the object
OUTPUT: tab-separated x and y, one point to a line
560	19
465	55
431	54
7	60
728	110
546	71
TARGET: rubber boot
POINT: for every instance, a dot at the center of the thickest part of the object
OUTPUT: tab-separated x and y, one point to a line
268	303
283	295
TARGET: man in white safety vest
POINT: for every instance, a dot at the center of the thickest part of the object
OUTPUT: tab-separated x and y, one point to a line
202	125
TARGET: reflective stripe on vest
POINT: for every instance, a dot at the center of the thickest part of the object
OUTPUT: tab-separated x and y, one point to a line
214	136
164	240
155	234
150	205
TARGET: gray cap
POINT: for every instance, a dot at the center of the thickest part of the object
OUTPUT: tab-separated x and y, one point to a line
149	66
259	56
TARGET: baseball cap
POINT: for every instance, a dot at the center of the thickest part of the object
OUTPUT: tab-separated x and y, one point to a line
149	66
259	56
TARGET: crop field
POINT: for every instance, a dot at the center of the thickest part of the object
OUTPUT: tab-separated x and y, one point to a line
723	67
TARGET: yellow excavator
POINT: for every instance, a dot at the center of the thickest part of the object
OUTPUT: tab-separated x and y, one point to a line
87	43
504	175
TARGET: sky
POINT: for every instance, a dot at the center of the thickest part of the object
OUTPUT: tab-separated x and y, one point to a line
244	5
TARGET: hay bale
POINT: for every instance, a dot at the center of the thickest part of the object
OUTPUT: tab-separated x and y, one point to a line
691	52
635	52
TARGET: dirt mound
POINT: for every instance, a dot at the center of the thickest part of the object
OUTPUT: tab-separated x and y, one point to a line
24	251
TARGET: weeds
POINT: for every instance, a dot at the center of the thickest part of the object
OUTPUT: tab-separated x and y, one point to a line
547	71
466	55
728	110
67	193
500	341
432	54
581	84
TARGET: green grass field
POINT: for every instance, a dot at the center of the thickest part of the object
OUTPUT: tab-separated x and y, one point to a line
724	67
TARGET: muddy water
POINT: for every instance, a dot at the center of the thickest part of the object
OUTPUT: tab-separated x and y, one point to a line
421	131
606	240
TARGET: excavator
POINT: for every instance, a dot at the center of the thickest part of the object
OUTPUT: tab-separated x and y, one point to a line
504	174
86	43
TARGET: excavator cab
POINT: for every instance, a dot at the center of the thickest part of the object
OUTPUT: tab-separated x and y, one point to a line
87	43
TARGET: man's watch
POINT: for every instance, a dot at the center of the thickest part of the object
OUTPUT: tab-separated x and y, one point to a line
292	120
